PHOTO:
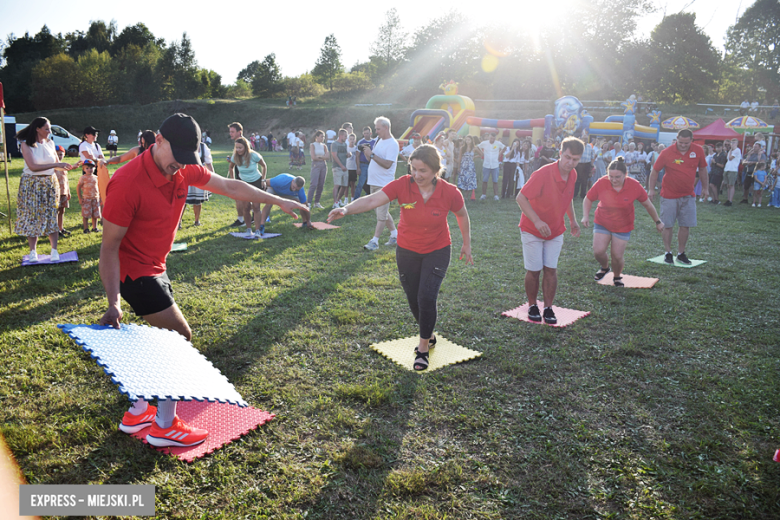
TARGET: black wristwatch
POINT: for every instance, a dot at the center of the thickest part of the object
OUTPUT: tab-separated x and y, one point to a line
657	221
371	157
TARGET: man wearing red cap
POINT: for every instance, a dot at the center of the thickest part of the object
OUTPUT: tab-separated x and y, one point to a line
143	206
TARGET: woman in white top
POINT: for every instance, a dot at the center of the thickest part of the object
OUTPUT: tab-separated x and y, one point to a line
511	161
89	148
319	168
38	197
439	144
632	161
525	161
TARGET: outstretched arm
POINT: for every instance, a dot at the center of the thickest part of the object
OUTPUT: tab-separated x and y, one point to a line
239	190
360	205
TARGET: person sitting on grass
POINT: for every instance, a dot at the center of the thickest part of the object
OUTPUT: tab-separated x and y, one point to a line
759	179
614	218
424	242
288	187
89	196
142	210
545	199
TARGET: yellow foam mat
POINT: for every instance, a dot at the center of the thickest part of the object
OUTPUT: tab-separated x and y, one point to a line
444	353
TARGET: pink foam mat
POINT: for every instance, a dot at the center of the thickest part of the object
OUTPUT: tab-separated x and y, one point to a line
318	225
635	282
70	256
565	316
225	423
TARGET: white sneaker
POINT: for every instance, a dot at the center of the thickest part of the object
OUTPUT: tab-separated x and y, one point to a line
336	205
754	204
33	256
258	234
371	246
249	233
759	205
318	206
495	197
483	197
709	199
55	255
392	242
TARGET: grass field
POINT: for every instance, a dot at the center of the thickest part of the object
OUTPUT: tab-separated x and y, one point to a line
660	404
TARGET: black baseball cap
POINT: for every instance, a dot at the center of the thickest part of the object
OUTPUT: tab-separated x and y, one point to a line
91	130
183	134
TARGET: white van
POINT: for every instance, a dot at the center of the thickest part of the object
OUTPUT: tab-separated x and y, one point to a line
59	135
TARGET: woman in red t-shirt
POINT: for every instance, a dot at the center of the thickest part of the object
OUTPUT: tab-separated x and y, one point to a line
423	252
614	218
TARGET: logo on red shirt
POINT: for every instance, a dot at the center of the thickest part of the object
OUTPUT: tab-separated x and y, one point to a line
181	193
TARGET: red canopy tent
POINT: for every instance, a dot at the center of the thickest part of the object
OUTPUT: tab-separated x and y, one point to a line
717	131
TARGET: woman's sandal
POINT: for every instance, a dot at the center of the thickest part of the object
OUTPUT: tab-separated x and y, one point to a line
618	281
421	360
431	344
601	273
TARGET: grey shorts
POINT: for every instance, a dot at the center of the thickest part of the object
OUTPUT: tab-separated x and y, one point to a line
730	177
340	177
489	172
383	211
682	210
271	191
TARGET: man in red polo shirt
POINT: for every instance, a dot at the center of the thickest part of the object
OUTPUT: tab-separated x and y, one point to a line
143	206
545	199
678	200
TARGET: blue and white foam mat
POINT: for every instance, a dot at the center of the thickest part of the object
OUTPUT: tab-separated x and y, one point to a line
151	363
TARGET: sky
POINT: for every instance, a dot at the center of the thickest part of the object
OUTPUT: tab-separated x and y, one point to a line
227	40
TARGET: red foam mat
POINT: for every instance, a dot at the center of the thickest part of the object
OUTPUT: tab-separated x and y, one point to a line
565	316
225	423
635	282
318	225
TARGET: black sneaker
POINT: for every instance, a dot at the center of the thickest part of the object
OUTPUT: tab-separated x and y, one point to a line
534	314
727	203
237	223
683	259
668	258
743	201
549	316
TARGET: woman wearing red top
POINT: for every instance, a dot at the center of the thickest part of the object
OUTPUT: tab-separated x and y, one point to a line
614	218
423	252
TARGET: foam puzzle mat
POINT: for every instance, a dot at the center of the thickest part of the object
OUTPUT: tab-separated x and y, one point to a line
565	316
318	225
178	246
444	353
70	256
267	235
225	423
630	281
150	363
660	260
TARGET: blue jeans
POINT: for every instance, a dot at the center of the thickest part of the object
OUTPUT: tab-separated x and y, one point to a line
361	181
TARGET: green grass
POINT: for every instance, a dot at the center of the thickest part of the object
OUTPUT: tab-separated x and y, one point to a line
660	404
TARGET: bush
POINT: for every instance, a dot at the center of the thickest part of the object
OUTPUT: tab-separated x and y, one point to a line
302	86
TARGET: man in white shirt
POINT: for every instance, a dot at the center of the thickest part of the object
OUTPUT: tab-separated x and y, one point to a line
731	170
412	146
381	171
490	152
330	137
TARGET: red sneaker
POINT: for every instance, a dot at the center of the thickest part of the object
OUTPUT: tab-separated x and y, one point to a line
179	434
135	423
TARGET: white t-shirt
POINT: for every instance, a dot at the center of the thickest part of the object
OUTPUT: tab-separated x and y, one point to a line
352	160
408	149
93	148
491	152
330	135
206	155
733	165
385	149
291	139
113	139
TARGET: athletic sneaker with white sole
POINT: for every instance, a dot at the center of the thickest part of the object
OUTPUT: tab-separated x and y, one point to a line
392	242
55	255
135	423
371	246
179	434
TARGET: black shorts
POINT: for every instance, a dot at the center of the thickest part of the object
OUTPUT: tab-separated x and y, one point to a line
111	147
147	294
716	179
352	175
259	183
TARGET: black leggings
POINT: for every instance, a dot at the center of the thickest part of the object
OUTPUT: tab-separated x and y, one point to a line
421	277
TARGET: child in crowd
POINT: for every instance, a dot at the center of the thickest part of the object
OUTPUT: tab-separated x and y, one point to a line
62	179
759	182
773	183
89	196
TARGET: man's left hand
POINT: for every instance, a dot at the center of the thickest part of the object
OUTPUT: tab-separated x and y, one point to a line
289	207
575	230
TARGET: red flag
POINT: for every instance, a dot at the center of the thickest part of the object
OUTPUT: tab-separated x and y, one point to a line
2	102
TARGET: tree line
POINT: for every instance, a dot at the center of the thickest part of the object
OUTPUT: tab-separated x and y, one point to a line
591	52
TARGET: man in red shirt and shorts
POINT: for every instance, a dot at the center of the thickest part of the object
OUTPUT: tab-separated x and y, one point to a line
143	206
545	199
678	199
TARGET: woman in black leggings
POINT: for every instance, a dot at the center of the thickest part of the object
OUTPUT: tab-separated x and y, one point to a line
424	243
